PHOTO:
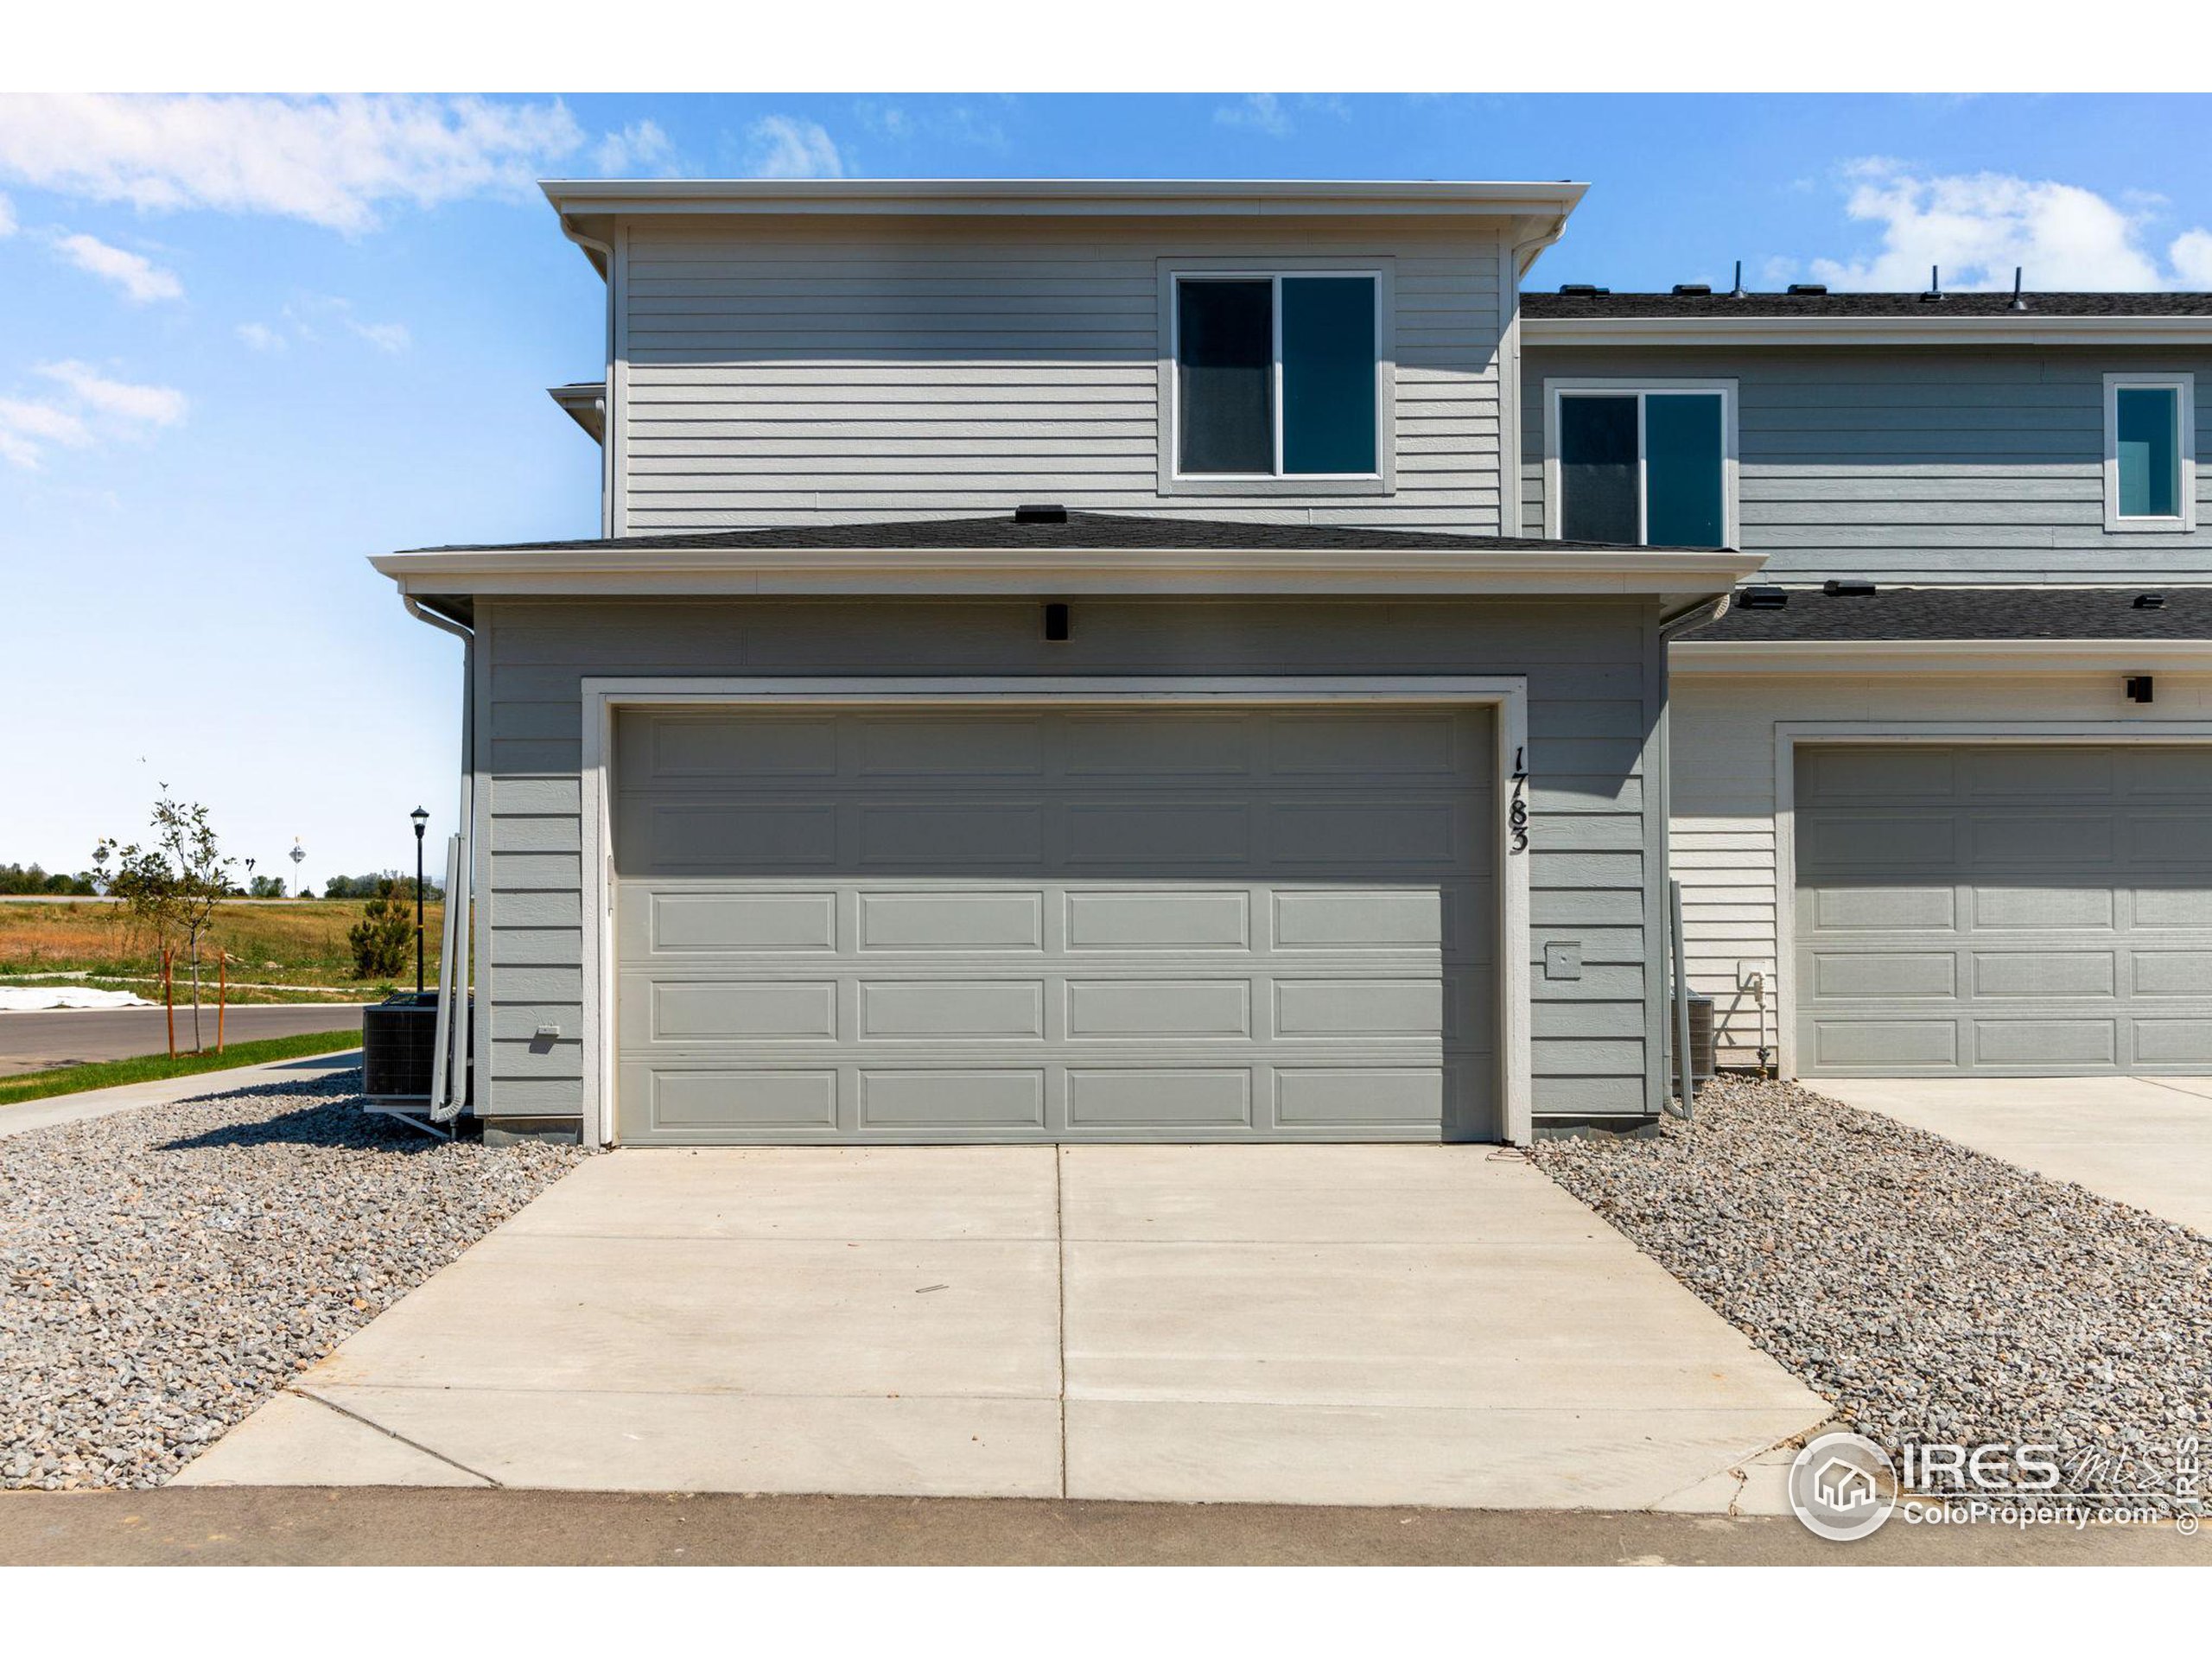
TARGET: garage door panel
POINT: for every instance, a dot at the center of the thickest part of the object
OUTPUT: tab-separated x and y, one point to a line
1885	975
2042	908
2173	972
2046	974
956	919
2066	929
2022	836
1069	926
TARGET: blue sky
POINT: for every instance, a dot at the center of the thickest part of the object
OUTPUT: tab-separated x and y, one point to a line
248	342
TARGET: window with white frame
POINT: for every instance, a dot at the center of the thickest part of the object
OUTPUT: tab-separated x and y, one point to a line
1650	463
2150	452
1277	374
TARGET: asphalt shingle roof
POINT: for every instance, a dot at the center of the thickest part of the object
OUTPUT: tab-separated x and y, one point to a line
1082	532
1967	614
1577	305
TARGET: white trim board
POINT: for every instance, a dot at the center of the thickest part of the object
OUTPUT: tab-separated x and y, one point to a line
1688	657
924	572
1508	693
2183	385
1788	735
2030	328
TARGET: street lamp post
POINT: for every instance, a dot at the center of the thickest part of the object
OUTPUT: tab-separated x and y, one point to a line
421	818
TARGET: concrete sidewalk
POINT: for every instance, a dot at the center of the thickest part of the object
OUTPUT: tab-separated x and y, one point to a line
311	1526
2146	1141
99	1102
1305	1324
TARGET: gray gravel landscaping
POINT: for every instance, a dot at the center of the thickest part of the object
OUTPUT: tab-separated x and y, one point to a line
165	1269
1933	1293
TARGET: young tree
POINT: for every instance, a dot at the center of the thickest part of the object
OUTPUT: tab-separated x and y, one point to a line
174	886
385	934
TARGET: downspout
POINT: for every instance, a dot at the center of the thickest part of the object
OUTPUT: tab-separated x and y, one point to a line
450	1054
1670	628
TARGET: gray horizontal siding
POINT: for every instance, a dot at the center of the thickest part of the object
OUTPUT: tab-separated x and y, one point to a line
1594	685
1935	465
784	372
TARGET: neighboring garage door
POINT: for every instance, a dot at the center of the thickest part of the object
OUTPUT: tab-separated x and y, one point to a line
1085	924
2004	908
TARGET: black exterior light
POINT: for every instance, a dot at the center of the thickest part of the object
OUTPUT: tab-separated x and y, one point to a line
2139	688
421	820
1055	623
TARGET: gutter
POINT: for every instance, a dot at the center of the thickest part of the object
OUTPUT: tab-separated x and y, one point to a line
1940	655
2034	329
449	1053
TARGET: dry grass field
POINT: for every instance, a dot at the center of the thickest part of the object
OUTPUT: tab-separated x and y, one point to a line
272	942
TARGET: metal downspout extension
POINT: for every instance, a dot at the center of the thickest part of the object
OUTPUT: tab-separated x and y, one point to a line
450	1054
1684	1107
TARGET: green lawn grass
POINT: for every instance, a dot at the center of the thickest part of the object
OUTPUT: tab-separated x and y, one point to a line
106	1074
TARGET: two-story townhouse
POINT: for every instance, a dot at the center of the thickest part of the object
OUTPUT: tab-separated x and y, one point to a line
1941	779
1064	661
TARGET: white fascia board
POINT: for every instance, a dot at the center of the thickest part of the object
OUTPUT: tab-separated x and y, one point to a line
1030	197
2011	330
1672	576
1940	657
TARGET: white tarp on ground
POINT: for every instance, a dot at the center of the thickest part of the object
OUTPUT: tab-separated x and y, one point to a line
24	999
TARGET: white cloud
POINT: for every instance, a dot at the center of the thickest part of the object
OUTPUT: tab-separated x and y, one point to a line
641	148
1976	228
7	217
2191	254
384	336
780	147
261	337
26	427
330	161
1258	111
136	276
91	408
958	124
150	405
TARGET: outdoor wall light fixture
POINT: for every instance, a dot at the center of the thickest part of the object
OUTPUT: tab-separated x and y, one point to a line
421	819
2139	688
1055	623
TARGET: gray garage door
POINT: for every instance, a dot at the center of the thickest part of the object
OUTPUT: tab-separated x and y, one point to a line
1171	925
1998	909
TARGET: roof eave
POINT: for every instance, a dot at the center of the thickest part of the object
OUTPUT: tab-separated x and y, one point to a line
1081	197
2029	329
1670	577
1695	656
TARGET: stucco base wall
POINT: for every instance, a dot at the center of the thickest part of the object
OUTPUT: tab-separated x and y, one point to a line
1723	841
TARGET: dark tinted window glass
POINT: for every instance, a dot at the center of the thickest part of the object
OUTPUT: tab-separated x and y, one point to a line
1597	469
1225	357
2149	451
1328	374
1682	470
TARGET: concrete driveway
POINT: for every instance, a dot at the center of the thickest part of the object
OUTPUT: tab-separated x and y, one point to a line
2144	1140
1310	1324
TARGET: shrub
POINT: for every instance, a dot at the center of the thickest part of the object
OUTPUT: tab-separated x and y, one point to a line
385	937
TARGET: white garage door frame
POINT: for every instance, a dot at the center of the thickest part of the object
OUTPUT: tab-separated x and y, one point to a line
1788	735
1507	694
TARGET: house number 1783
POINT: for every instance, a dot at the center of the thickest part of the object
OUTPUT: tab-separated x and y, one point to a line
1516	815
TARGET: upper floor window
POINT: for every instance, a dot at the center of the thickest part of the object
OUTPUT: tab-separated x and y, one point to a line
1645	462
1278	375
2150	452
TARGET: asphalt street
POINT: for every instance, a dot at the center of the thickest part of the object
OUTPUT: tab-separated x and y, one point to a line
50	1037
